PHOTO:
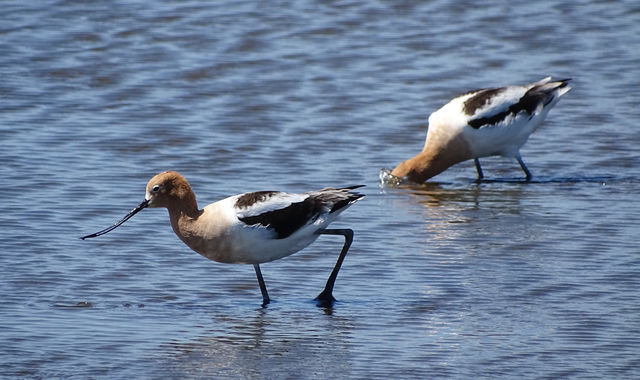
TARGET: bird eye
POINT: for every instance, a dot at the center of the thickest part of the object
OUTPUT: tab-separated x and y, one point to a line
156	188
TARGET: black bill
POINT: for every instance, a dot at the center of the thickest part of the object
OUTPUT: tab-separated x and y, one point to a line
131	213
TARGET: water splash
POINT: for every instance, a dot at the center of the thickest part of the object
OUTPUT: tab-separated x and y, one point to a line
388	179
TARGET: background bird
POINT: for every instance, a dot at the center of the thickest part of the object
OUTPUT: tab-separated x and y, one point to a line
481	123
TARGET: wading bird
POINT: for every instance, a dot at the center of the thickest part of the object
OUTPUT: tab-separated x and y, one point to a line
251	228
482	123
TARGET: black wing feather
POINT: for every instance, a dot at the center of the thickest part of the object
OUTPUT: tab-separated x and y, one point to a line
529	102
288	220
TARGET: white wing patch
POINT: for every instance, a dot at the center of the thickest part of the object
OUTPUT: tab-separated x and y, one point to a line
276	201
500	102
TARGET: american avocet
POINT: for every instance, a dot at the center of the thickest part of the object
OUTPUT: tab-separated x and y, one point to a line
481	123
251	228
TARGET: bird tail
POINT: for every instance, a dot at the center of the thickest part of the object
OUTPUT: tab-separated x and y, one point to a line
338	198
557	88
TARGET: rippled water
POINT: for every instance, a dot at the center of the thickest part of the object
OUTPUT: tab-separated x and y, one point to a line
451	279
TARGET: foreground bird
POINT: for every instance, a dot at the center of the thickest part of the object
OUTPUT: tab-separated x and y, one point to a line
250	228
481	123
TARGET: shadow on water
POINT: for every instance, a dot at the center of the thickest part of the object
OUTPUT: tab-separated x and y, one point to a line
389	180
568	180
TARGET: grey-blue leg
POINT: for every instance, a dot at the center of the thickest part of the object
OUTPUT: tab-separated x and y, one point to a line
263	287
524	167
478	168
325	298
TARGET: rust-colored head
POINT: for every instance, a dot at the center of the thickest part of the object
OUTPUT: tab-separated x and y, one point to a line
170	189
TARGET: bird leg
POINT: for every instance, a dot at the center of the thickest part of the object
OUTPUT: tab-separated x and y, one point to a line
524	167
263	287
478	169
325	298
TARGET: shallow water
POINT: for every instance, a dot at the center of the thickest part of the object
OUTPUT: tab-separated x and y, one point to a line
498	279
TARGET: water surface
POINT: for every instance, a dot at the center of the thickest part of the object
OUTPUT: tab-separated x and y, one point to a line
452	279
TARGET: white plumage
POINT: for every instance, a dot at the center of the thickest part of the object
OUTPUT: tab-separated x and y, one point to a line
481	123
250	228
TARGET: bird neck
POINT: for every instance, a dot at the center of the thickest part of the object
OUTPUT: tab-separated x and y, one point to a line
421	167
184	212
435	158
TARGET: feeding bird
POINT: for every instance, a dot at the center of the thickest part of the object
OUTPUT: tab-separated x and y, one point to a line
482	123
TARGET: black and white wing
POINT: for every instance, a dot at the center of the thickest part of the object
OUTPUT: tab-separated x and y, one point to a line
493	106
285	213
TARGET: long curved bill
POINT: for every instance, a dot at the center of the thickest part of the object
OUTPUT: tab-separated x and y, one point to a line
131	213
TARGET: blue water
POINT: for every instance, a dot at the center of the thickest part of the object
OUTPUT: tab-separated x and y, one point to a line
452	279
